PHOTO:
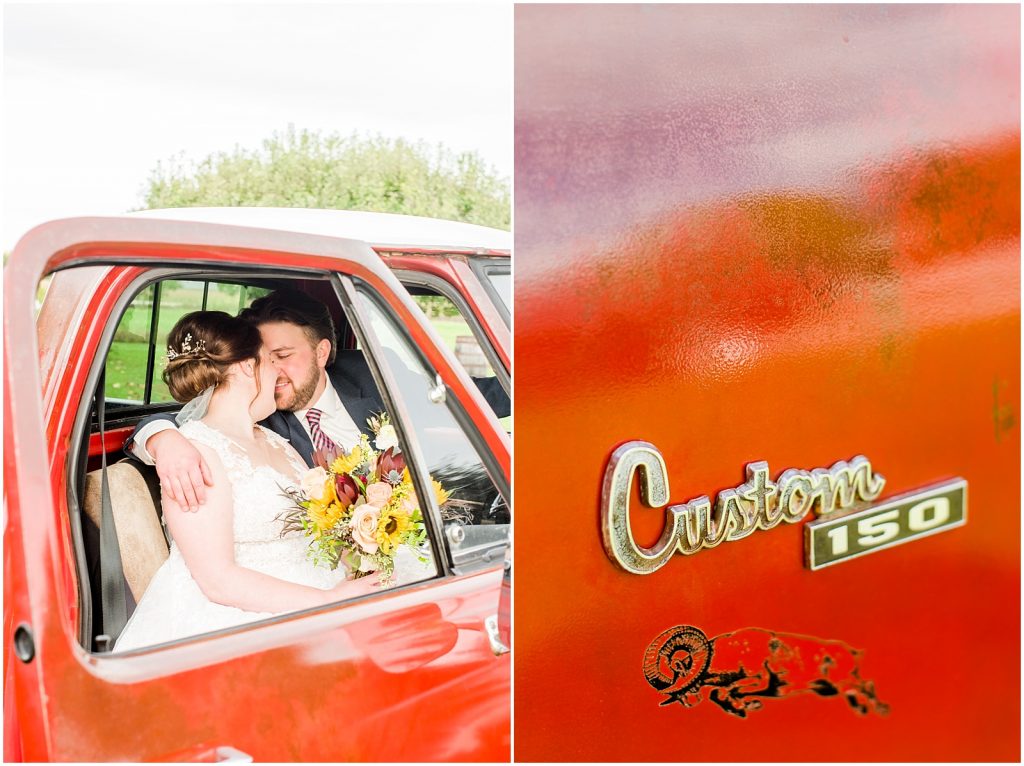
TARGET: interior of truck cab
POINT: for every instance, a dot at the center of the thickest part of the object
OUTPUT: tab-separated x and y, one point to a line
106	482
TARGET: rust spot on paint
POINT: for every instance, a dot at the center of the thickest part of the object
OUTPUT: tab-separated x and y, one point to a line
1003	416
949	201
801	233
782	254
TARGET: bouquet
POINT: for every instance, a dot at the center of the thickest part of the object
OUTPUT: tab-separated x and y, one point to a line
358	506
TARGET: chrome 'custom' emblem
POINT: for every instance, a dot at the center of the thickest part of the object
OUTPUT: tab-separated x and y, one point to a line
759	503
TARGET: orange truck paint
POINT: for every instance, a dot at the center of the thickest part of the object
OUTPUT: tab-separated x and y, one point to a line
408	675
781	233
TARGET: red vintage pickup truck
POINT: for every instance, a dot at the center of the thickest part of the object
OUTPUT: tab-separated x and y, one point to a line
419	672
767	336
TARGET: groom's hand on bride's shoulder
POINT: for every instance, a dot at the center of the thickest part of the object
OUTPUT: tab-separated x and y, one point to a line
184	474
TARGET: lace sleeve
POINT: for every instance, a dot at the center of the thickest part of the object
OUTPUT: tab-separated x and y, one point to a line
279	442
235	461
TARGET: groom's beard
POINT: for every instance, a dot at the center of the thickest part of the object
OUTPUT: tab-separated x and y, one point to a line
300	395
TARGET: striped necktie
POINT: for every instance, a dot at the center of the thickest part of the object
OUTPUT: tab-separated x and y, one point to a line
321	441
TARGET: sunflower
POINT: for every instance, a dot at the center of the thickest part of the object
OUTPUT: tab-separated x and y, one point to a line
393	525
325	515
440	492
328	496
335	512
318	515
346	464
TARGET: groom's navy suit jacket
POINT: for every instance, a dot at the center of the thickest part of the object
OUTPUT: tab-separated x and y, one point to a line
351	377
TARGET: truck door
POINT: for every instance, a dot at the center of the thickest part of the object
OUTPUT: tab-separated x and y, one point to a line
409	673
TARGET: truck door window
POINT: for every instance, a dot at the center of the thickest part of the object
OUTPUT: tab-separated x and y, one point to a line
135	363
141	333
127	360
461	331
462	339
496	277
447	319
501	280
476	518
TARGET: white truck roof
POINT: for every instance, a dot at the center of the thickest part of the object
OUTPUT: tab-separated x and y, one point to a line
379	230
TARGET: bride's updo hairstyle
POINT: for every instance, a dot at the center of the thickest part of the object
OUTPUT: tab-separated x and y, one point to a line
201	348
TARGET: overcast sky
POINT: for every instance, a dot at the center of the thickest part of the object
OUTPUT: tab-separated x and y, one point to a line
94	95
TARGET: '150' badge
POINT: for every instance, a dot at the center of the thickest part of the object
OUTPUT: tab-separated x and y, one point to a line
838	495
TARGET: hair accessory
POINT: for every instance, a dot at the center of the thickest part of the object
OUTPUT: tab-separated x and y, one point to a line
186	348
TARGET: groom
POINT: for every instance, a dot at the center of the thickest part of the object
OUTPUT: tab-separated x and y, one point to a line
323	398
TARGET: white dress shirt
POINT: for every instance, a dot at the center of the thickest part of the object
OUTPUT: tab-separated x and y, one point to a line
335	422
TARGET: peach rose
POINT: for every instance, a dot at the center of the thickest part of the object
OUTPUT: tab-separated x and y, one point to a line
378	493
313	483
364	526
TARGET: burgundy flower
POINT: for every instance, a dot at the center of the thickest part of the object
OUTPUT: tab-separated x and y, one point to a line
346	490
390	465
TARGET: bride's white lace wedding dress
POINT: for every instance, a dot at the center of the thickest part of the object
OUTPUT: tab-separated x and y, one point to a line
173	605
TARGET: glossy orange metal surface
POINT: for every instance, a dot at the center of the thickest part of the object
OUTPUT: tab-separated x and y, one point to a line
406	675
781	233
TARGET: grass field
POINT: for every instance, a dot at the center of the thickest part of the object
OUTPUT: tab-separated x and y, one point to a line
450	328
126	362
126	373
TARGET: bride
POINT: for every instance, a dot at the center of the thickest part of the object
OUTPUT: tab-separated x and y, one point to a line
229	563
